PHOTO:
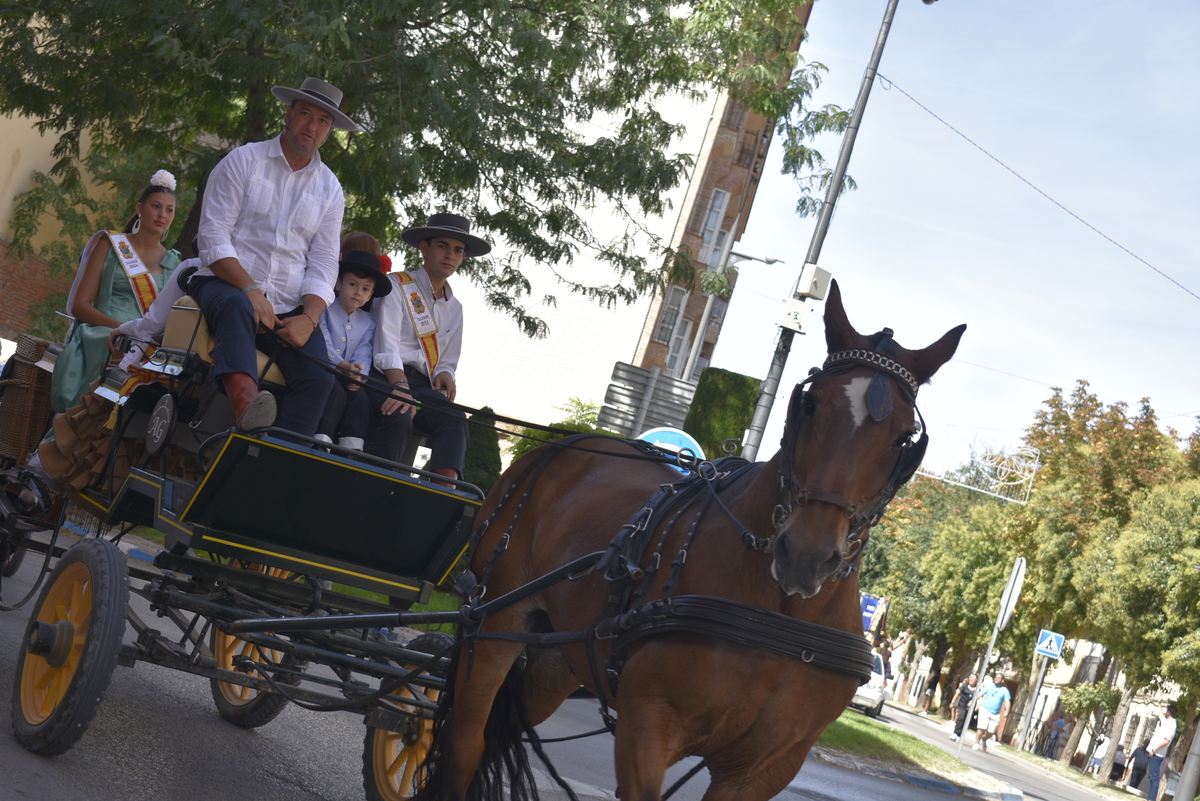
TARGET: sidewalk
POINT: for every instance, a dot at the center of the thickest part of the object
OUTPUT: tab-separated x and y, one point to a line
842	759
1009	753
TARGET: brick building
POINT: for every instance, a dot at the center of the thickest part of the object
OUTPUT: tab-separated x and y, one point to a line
714	215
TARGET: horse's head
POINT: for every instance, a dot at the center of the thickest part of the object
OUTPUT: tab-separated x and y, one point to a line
852	439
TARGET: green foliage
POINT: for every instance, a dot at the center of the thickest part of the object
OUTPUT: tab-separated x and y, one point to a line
1096	460
1084	699
1144	585
481	465
582	417
522	117
721	409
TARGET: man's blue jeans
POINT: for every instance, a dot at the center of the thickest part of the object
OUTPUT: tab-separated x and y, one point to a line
231	319
1155	775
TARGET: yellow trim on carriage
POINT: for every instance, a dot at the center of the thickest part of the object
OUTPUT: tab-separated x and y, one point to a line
298	560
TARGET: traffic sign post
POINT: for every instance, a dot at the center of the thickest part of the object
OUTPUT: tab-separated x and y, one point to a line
1049	646
1008	602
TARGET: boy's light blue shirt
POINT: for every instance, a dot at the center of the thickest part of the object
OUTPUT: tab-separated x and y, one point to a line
348	338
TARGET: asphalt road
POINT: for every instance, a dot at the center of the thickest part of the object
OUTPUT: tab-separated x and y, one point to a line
157	735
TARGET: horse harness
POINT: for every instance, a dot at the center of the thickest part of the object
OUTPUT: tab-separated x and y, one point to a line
627	617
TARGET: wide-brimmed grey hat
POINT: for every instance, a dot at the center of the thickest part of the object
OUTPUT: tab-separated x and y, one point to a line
321	94
453	226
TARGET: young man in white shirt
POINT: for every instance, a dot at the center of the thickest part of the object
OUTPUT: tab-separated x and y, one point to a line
418	339
269	228
1160	743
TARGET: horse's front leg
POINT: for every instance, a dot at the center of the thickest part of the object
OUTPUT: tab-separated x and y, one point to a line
646	743
461	739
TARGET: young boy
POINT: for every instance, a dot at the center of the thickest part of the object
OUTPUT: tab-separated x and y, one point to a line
349	331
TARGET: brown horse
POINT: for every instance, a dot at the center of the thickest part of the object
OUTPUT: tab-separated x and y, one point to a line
751	714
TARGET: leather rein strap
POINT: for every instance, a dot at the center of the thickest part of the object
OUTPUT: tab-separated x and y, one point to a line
812	643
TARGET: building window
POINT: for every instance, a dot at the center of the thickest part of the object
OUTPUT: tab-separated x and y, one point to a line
747	150
735	115
710	231
671	311
677	352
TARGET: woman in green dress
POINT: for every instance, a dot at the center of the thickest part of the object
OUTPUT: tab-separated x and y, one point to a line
103	295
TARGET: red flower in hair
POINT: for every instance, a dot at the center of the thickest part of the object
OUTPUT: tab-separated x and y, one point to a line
385	263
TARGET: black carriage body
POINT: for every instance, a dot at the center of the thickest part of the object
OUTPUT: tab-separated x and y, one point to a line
264	499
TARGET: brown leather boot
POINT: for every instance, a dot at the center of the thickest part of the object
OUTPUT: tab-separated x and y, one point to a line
252	408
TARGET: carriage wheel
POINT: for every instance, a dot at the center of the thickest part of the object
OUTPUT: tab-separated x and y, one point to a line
392	761
71	647
246	706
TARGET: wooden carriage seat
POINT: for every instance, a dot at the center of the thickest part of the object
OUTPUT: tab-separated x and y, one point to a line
188	330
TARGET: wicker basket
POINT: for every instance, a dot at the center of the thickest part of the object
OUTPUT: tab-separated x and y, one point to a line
25	403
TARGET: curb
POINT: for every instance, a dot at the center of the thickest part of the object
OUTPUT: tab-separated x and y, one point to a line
925	782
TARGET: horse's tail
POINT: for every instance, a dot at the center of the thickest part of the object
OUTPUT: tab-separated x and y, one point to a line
504	771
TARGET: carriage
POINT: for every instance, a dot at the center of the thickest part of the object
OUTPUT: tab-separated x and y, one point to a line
248	534
722	605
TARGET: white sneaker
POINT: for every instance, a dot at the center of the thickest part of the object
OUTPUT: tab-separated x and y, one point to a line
975	747
954	738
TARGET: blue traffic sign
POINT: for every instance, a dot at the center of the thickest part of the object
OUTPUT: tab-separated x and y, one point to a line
672	440
1049	644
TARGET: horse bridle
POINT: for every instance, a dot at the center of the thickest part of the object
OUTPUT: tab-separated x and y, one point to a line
879	405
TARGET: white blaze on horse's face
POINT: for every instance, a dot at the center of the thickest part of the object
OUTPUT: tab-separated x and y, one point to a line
856	394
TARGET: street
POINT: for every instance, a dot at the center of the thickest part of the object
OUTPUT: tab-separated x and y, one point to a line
157	735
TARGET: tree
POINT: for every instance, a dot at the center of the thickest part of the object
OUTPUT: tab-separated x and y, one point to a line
481	464
721	409
521	116
582	417
1096	460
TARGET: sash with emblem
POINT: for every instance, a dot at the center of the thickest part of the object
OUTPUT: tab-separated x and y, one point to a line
420	312
140	279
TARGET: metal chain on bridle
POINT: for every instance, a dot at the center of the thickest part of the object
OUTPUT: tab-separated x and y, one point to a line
879	404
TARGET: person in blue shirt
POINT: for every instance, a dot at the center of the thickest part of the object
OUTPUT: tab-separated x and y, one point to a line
994	702
349	330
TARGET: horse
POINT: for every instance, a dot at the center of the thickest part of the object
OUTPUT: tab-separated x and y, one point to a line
752	714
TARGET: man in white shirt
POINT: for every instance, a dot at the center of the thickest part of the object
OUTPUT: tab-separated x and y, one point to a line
1164	733
418	339
269	227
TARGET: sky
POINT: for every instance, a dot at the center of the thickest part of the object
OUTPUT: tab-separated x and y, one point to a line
1093	103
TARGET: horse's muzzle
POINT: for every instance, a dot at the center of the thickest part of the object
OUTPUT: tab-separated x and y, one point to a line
802	571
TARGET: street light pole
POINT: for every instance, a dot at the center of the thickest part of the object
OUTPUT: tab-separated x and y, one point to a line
770	385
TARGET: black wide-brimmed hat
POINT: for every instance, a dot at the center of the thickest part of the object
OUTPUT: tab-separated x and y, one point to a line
452	226
321	94
364	262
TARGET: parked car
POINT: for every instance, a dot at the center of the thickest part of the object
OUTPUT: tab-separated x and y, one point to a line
870	696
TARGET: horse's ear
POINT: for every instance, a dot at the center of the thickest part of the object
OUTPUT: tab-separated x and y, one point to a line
839	334
926	362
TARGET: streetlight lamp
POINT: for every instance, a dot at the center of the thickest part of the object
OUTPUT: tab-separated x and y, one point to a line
729	259
770	385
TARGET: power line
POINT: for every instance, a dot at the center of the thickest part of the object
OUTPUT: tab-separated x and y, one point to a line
887	84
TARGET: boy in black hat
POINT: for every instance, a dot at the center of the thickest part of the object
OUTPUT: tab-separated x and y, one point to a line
349	332
417	344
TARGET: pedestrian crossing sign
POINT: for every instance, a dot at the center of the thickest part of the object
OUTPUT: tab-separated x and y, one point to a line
1049	644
